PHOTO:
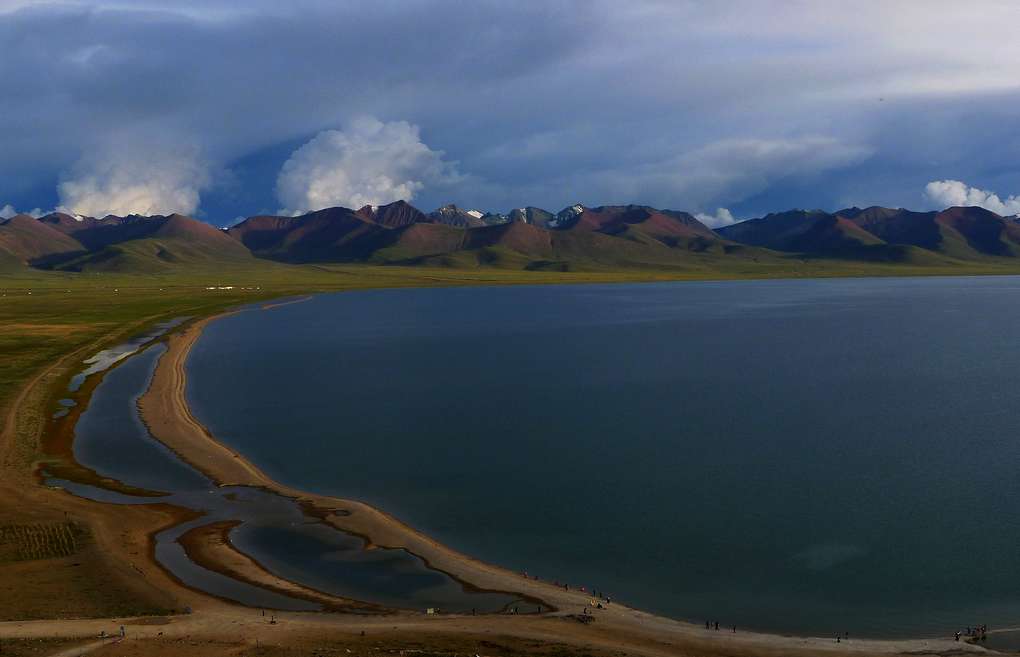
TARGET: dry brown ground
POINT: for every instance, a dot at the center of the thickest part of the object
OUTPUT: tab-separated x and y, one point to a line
38	647
355	645
103	571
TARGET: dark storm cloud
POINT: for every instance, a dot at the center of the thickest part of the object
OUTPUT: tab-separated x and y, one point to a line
693	105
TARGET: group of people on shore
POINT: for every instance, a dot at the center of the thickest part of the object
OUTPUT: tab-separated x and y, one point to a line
979	632
714	625
598	597
709	625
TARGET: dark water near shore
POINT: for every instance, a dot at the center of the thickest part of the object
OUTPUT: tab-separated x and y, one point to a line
275	531
807	456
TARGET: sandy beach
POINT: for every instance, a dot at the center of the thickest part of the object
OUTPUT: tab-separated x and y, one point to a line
123	536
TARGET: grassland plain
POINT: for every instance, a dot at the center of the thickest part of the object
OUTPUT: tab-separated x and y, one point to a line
65	558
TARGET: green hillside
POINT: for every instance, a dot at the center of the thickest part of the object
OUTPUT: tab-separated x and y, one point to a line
159	255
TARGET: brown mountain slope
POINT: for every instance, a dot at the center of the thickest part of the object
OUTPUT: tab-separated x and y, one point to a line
897	226
334	234
393	215
156	244
626	236
959	232
417	242
525	246
634	237
532	215
451	215
180	227
802	231
983	231
29	241
96	234
615	219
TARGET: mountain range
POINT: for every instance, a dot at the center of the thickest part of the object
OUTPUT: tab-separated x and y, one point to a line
575	238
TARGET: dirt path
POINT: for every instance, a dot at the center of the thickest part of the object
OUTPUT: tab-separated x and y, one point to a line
85	649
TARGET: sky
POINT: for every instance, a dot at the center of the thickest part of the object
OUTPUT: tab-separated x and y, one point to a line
726	108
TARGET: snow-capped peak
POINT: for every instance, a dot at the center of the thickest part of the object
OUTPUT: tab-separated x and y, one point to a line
474	213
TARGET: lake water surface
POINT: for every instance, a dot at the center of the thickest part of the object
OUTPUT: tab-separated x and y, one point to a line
808	456
272	529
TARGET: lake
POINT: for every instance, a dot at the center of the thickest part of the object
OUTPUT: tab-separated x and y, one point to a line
812	456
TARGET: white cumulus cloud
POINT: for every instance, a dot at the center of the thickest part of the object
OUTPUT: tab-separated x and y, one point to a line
367	163
8	211
135	178
722	217
950	193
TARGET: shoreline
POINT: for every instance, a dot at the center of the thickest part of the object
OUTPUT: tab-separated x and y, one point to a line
209	546
124	536
164	409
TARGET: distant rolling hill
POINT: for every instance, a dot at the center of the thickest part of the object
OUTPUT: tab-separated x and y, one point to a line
576	238
330	235
138	244
802	231
620	236
393	215
26	241
960	233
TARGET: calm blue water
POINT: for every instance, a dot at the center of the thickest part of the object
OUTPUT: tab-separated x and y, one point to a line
805	456
274	530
